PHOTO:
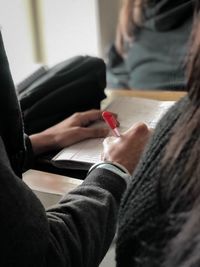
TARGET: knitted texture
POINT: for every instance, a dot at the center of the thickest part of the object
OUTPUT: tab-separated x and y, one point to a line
141	234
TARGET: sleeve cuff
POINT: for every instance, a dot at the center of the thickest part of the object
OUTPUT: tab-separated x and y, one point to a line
115	168
29	155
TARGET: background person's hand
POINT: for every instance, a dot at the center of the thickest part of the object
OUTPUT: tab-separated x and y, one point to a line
69	131
127	149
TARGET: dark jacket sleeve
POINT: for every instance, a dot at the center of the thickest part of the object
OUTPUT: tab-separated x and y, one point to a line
29	155
75	232
83	224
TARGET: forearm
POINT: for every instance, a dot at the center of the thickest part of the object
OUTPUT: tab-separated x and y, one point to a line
76	232
86	218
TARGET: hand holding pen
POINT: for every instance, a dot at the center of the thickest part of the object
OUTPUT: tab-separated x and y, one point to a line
111	122
125	148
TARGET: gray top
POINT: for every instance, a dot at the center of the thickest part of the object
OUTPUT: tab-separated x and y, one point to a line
157	56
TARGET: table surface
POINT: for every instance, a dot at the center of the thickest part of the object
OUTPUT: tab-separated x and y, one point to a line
151	94
57	184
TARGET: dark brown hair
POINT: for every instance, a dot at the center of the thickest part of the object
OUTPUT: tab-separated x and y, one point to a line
188	124
184	147
193	70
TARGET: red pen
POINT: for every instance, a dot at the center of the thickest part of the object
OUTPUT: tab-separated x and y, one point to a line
111	121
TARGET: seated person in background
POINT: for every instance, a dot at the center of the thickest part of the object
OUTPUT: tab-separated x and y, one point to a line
159	217
151	44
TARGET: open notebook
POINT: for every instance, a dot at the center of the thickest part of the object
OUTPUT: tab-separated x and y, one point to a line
130	110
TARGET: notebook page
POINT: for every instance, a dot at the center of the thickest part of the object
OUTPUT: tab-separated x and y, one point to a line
130	110
133	110
85	151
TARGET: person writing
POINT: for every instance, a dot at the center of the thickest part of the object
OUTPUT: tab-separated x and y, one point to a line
150	45
79	229
158	219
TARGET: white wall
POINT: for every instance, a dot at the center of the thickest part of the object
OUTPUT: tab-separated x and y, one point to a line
78	27
16	36
70	27
107	17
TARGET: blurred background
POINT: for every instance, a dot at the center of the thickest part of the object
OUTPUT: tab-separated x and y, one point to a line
49	31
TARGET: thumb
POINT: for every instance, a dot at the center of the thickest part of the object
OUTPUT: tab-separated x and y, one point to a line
138	129
109	140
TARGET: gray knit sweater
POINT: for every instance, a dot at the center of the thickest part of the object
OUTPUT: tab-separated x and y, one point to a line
143	223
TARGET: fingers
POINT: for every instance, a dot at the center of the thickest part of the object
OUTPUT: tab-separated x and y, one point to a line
135	132
81	133
89	116
127	148
108	141
94	132
139	128
139	132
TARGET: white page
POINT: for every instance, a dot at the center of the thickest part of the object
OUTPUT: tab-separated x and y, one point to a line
130	110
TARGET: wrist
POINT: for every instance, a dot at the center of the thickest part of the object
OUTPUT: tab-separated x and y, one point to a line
119	166
113	167
42	142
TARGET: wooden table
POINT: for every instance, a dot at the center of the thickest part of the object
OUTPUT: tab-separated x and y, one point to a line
50	187
158	95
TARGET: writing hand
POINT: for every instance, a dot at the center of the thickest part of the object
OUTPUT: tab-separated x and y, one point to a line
127	149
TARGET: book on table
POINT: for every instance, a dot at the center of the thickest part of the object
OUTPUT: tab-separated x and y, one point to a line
130	110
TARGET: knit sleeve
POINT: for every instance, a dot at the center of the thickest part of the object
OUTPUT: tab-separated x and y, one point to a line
140	209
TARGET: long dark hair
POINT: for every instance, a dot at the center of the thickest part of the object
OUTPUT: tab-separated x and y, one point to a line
183	186
188	125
